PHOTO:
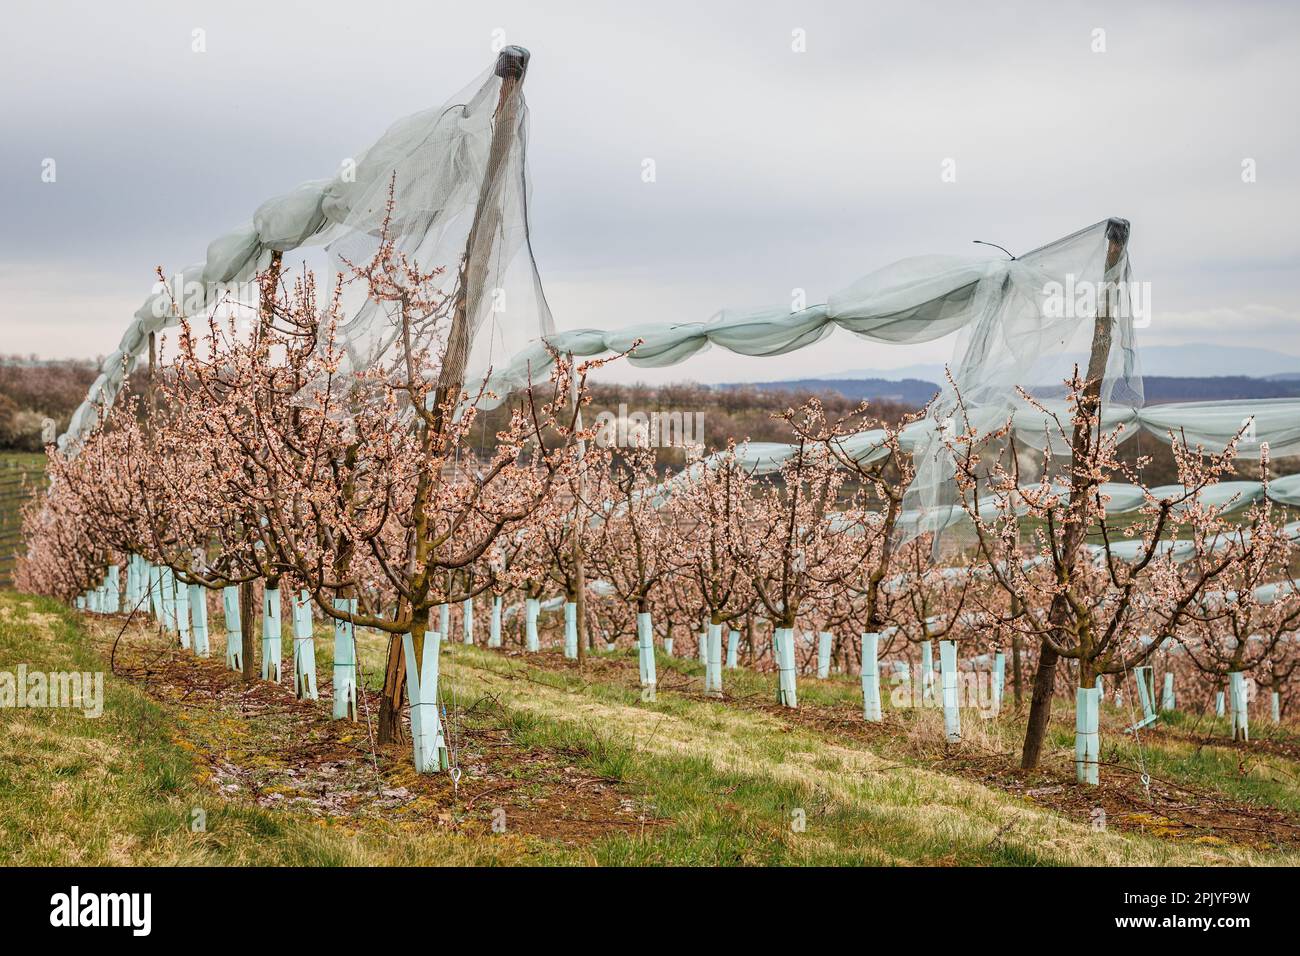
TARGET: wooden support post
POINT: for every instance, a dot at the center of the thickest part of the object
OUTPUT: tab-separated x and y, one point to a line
1075	532
248	634
511	65
579	564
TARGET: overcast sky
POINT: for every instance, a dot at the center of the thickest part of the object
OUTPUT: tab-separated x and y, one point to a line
776	169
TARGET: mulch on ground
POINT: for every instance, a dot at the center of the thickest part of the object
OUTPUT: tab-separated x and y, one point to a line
255	741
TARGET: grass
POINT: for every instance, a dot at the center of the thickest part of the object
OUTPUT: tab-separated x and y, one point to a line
1179	749
123	788
731	780
14	467
719	783
32	460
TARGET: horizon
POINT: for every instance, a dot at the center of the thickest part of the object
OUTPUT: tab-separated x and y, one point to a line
928	373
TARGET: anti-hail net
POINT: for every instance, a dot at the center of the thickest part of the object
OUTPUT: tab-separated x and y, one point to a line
1029	320
460	185
1020	322
460	191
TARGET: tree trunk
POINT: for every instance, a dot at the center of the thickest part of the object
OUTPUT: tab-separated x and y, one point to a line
1040	708
390	706
248	632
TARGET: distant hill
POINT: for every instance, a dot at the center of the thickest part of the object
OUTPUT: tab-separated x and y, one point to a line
1158	389
912	392
1176	361
721	412
1162	388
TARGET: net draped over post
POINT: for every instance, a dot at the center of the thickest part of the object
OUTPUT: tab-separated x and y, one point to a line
459	205
1014	319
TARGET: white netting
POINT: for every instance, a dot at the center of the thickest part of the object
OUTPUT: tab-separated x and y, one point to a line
1021	322
1024	323
461	204
460	180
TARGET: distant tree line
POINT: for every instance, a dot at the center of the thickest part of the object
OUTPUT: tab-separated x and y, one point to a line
32	390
